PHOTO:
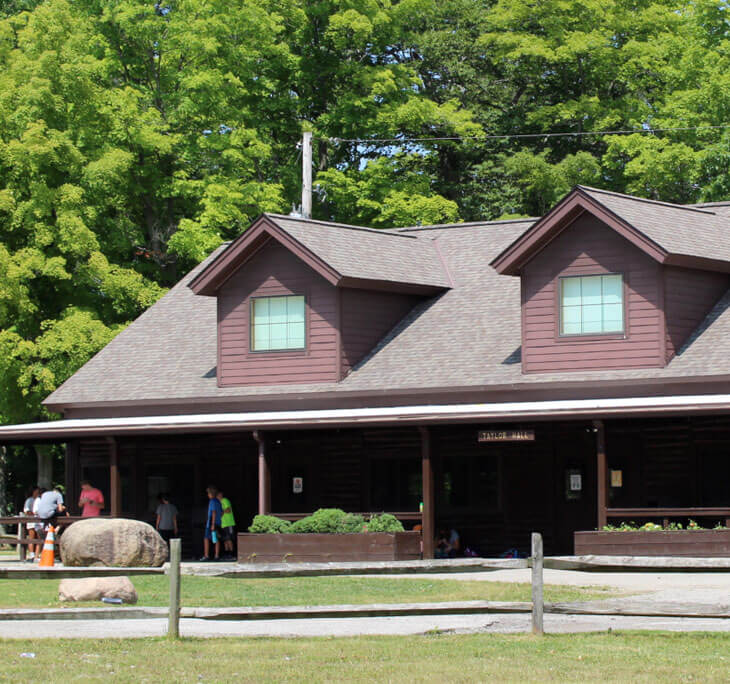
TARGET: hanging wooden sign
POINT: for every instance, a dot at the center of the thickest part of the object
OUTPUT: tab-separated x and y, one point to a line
506	435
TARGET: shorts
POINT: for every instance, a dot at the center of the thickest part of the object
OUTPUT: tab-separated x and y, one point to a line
209	532
228	533
49	522
166	534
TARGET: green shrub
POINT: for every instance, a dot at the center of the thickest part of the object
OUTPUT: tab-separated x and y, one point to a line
269	524
351	524
323	521
326	521
384	523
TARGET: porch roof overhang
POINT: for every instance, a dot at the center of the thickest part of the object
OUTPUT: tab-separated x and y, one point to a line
568	409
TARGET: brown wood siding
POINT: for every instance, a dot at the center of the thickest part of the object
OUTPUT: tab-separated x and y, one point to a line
689	295
274	271
366	318
588	247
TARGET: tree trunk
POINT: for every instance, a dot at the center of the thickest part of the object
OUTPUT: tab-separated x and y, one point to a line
45	465
3	485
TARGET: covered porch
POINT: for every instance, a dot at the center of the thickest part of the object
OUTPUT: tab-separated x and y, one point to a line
493	479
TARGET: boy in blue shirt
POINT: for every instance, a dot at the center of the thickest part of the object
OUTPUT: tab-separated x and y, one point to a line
212	525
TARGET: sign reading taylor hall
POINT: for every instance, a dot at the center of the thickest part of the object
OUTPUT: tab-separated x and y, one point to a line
506	435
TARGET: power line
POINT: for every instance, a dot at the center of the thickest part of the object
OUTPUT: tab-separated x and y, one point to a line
512	136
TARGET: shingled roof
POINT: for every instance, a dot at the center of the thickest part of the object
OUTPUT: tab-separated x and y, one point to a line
465	338
698	231
347	256
692	235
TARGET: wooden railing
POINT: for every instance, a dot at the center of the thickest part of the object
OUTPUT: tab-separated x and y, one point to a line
668	513
19	540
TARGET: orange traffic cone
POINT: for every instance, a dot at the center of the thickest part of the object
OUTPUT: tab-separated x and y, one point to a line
47	555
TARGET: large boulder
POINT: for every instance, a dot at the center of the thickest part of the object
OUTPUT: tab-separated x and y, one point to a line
112	541
97	588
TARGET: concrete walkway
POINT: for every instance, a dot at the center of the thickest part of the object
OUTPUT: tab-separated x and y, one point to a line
342	627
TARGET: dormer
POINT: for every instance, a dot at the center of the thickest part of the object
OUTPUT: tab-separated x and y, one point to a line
610	281
303	301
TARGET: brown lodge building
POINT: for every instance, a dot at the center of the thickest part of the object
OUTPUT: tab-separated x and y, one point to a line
503	377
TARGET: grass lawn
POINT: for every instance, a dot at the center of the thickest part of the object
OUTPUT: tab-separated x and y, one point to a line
612	657
227	591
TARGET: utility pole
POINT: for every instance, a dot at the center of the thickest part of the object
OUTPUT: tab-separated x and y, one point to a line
307	174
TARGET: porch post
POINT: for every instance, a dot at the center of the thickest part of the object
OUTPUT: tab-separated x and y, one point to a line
264	475
601	472
428	519
115	482
72	475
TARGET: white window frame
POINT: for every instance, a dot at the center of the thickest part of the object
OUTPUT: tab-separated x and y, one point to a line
252	325
561	306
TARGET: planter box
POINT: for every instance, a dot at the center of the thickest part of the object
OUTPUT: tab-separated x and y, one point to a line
323	548
696	543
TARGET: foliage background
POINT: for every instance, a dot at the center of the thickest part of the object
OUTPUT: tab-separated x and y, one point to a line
136	136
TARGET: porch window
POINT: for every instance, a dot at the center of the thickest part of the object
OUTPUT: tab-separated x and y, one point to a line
591	305
277	323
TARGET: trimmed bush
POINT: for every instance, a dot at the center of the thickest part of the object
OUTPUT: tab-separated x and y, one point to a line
323	521
351	524
326	521
384	523
269	524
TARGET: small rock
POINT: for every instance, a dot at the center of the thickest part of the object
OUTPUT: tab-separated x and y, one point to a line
96	588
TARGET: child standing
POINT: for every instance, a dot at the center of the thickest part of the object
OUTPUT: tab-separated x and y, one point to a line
212	525
228	523
33	494
166	518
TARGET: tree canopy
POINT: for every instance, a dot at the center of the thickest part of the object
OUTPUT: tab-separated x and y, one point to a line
136	136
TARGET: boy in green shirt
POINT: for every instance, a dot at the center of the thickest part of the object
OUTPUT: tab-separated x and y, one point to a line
227	523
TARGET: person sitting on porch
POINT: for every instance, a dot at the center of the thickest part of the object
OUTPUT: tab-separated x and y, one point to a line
50	507
228	523
212	525
447	544
91	500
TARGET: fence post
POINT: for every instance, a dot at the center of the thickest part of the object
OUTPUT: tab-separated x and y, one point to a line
21	547
537	598
173	620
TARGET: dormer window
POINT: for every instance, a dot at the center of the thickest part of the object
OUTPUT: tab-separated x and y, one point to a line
278	323
591	305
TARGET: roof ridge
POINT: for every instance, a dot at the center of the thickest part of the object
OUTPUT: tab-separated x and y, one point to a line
334	224
686	207
465	224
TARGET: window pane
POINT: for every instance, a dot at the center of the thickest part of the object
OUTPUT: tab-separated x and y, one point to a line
612	289
591	304
572	314
260	337
592	318
591	290
278	323
277	309
260	311
295	335
571	291
612	317
295	309
277	335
